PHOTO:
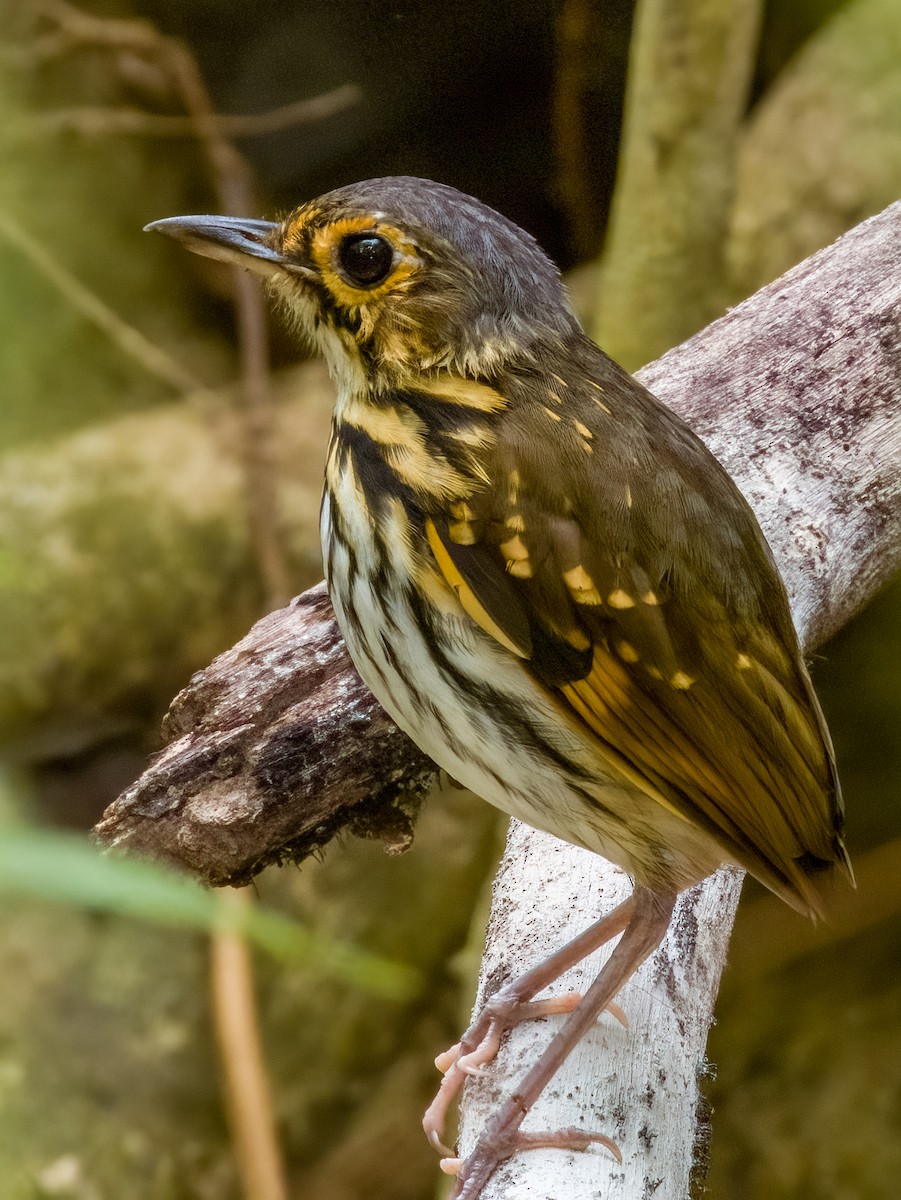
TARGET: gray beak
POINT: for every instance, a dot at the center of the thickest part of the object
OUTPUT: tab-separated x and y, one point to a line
237	240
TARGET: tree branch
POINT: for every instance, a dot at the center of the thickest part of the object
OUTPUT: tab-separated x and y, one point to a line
662	270
277	745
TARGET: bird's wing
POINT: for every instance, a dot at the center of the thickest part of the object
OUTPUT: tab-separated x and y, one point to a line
616	558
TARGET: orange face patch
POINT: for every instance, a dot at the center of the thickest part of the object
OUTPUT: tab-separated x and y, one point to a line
324	247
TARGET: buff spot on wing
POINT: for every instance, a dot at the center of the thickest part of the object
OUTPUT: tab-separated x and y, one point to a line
462	533
583	430
516	522
650	598
743	662
521	569
581	585
627	652
629	500
681	682
601	405
468	599
620	599
461	510
555	399
554	416
514	549
576	637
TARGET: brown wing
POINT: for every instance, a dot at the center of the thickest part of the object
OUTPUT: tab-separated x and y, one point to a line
616	558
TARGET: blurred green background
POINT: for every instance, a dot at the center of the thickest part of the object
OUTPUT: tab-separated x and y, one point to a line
127	558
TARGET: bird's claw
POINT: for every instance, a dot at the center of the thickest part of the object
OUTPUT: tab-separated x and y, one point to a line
479	1046
474	1171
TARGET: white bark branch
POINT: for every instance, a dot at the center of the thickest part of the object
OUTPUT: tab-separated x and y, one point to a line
798	393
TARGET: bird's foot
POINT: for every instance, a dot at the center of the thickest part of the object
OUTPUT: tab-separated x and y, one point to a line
503	1138
479	1046
642	920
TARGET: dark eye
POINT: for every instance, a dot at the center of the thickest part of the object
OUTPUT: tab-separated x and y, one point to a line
365	258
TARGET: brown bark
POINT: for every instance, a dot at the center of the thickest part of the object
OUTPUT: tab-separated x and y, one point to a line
272	750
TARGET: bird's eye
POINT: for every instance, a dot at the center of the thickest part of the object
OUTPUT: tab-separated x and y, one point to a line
365	258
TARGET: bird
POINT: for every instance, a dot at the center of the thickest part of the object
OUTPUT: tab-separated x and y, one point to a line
548	581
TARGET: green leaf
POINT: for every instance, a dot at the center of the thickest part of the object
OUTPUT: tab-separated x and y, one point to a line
66	869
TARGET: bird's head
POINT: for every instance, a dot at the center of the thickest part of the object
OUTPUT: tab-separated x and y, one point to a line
398	277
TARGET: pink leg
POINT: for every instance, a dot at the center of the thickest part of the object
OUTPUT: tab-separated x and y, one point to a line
510	1005
649	916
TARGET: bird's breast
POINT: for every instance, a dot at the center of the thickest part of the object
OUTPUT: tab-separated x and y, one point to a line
467	702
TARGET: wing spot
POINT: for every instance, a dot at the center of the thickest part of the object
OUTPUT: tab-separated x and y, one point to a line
586	446
681	682
519	569
627	652
555	399
468	599
550	412
650	598
584	430
620	599
603	407
514	549
581	585
462	511
462	533
576	637
743	662
629	502
516	522
559	379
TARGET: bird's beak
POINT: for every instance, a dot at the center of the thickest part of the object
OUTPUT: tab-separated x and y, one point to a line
237	240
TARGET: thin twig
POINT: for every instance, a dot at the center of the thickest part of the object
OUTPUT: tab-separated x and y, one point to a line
254	1133
575	24
232	182
100	120
131	341
246	1082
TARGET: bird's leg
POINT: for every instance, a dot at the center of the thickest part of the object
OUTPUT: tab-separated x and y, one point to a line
510	1005
648	920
